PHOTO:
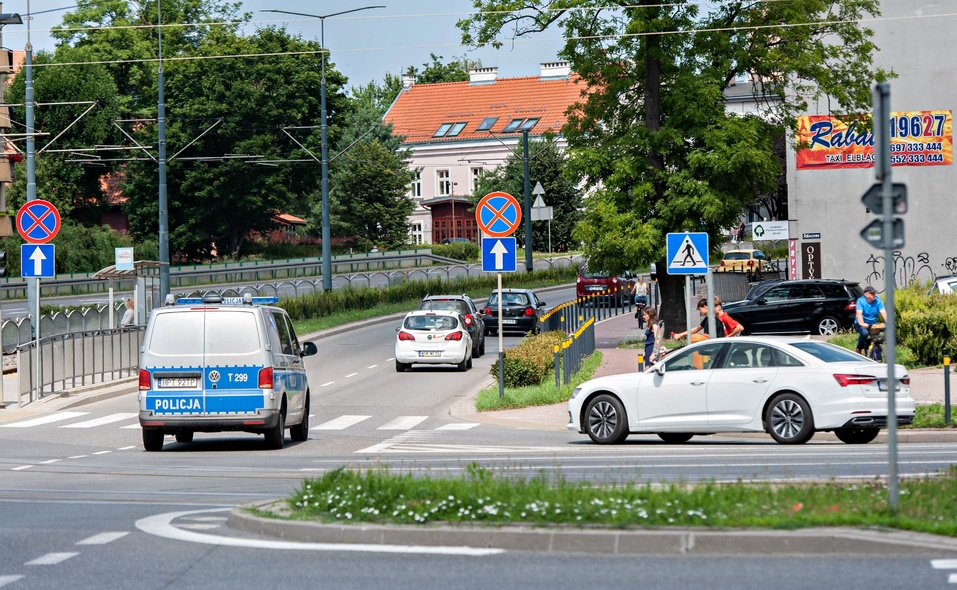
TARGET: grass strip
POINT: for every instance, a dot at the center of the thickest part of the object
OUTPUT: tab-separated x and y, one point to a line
543	394
483	496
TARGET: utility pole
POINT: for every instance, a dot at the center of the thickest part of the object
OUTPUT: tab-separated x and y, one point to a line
527	203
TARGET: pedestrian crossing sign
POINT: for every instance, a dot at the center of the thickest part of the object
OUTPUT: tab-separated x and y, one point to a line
688	253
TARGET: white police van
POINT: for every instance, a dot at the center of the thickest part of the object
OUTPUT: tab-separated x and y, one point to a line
215	364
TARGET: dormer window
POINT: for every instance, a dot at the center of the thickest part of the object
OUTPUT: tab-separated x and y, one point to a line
449	129
529	123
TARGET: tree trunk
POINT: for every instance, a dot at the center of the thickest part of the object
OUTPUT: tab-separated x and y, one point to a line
673	308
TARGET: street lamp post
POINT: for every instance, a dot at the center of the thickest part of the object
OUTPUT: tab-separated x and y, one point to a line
323	124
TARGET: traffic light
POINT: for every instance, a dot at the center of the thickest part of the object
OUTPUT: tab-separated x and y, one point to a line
3	263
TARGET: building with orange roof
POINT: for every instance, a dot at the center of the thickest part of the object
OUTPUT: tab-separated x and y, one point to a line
456	131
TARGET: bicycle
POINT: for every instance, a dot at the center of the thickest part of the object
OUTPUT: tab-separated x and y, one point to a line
875	343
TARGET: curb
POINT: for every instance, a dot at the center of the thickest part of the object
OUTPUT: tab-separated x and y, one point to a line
678	541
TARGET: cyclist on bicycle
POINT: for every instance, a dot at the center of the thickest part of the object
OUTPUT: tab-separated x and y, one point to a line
869	307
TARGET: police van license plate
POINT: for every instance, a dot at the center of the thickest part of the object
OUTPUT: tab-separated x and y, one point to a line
178	382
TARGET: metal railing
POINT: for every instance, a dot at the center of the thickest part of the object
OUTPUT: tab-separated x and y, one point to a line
571	353
76	359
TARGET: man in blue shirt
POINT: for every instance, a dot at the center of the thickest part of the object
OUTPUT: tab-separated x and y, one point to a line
869	307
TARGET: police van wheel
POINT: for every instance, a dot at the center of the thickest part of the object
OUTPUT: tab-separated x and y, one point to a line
184	437
152	439
276	436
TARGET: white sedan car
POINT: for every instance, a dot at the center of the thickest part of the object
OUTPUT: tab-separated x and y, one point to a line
433	337
787	387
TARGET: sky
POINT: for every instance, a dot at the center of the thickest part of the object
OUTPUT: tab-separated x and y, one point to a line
363	45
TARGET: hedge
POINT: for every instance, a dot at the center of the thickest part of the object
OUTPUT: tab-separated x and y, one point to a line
532	361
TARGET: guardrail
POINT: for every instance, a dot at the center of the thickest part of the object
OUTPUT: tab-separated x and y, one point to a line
570	354
75	359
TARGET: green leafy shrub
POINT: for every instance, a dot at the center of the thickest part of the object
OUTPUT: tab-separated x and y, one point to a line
532	361
926	324
458	250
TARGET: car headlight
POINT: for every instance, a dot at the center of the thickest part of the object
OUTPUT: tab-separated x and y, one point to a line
576	392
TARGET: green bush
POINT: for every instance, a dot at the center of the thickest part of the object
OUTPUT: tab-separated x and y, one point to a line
458	250
926	324
532	361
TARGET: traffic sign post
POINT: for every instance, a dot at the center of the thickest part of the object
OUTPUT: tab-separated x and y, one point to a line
687	254
498	215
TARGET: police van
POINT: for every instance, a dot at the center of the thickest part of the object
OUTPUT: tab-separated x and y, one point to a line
222	364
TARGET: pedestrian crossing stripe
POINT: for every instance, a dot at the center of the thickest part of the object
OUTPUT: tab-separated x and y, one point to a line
687	253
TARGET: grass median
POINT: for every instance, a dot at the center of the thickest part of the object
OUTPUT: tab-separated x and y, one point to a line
496	498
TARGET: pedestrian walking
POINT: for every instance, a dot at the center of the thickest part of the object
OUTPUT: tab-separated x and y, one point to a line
651	334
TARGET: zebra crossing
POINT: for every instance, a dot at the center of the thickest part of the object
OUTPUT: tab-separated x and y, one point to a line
128	420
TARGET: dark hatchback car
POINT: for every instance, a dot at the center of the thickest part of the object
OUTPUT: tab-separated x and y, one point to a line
471	315
818	306
521	311
605	285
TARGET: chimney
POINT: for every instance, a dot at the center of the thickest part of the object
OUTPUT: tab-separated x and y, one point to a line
556	69
483	75
408	80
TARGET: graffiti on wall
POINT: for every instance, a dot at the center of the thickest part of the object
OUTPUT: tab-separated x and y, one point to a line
907	269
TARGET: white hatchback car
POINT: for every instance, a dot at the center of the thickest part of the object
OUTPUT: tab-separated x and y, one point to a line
787	387
433	337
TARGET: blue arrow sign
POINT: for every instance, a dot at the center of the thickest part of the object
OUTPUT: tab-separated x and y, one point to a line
498	254
688	254
37	260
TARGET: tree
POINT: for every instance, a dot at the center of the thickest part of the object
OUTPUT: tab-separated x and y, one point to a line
456	70
224	116
547	165
370	196
653	137
378	96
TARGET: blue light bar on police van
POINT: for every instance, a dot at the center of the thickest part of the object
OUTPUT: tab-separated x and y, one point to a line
248	300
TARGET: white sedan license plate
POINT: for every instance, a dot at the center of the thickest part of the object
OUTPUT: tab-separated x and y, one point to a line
429	353
882	385
179	382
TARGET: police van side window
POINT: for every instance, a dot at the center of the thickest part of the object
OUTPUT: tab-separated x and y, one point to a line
284	339
292	335
272	331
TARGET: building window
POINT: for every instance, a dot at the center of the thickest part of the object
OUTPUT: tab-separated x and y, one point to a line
415	189
456	129
444	183
512	126
529	123
474	178
449	129
443	129
416	233
487	124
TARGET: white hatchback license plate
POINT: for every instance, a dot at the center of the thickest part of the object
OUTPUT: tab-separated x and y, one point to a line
179	382
429	353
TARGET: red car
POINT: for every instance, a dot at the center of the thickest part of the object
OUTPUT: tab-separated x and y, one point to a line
616	287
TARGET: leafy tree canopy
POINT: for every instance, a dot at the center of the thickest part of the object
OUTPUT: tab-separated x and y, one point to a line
456	70
653	138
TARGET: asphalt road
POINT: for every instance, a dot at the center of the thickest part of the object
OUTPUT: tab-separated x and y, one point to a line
80	475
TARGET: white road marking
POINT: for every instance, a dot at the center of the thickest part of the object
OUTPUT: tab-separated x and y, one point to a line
136	426
48	461
102	452
199	526
59	416
944	564
102	538
104	420
78	457
458	426
160	525
127	448
21	468
393	446
404	423
341	423
327	384
4	580
952	579
372	366
351	375
52	558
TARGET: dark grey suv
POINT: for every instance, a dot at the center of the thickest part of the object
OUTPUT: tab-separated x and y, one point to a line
472	317
818	306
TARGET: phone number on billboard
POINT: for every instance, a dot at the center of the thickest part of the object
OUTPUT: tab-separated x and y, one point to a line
916	158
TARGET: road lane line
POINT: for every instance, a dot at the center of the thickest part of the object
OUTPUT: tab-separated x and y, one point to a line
944	564
341	423
327	384
458	426
351	375
21	468
52	558
372	366
48	461
161	526
404	423
102	452
4	580
78	457
59	416
103	538
103	420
